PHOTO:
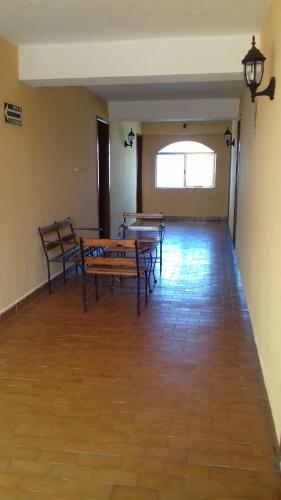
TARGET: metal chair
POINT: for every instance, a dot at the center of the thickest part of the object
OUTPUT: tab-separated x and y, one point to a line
119	258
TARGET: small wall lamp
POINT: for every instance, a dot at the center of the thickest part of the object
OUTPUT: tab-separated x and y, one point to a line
131	139
228	138
253	72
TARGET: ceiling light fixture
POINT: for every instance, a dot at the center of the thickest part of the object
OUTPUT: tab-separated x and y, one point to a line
131	139
253	72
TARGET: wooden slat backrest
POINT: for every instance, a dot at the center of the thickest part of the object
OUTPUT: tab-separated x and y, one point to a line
68	237
66	233
95	242
143	216
51	228
51	245
65	222
120	245
49	236
110	262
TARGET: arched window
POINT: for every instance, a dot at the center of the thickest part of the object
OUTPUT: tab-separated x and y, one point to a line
186	164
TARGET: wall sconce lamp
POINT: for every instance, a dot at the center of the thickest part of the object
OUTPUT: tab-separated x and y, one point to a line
253	72
228	138
131	139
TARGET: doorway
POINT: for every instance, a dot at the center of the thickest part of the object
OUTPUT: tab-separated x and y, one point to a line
103	177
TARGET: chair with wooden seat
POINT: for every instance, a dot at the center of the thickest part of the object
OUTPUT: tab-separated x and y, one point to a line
120	259
146	227
60	245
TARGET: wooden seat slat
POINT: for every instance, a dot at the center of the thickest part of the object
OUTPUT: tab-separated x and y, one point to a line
112	272
110	261
119	245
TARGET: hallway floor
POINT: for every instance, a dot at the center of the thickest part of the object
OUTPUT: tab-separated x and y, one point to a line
168	406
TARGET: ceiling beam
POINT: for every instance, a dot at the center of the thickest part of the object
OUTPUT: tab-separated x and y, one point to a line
155	59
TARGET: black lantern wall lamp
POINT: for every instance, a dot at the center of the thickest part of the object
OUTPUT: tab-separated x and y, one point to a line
131	139
228	138
253	72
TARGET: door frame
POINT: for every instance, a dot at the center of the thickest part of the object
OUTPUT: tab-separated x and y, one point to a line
235	212
104	198
139	193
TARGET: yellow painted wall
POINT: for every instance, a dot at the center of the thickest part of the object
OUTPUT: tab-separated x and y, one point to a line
38	178
259	211
123	172
185	202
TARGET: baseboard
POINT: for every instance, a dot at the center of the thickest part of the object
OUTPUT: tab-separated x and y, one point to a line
18	305
275	440
276	443
182	218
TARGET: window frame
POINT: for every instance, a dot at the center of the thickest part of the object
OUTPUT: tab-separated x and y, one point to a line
185	169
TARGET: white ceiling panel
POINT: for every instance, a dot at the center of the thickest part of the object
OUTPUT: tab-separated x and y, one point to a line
72	21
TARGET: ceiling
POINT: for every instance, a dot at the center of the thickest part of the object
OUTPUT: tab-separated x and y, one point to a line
169	91
72	21
43	22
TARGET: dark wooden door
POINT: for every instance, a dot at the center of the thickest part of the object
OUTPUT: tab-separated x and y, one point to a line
139	173
103	177
236	184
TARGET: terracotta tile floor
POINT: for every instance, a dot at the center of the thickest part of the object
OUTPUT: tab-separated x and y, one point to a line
166	407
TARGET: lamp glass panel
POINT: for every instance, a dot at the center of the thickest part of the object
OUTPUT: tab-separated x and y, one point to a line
131	137
254	72
227	137
259	72
250	72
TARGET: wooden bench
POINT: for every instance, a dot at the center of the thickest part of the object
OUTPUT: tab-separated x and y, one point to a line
60	245
120	258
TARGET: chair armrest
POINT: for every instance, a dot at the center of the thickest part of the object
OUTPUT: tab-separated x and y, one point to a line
62	242
84	228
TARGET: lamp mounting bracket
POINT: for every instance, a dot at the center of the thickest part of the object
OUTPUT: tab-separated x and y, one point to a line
269	91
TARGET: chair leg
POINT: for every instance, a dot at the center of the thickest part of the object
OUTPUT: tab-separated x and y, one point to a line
154	264
49	278
161	257
96	287
63	266
111	285
84	292
138	297
146	285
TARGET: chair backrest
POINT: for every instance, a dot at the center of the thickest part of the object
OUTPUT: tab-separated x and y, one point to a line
141	216
66	232
49	236
115	253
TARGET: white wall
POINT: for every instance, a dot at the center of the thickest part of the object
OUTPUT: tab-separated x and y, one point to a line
184	110
85	63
